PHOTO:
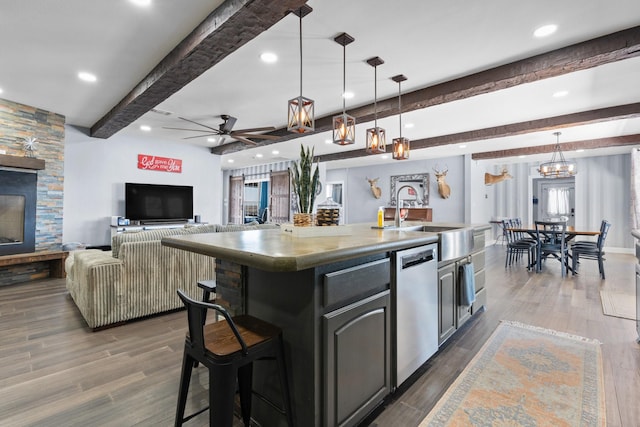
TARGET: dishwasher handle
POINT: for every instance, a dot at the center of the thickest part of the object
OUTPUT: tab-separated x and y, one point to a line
417	259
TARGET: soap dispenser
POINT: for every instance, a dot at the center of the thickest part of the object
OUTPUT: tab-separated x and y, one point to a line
381	217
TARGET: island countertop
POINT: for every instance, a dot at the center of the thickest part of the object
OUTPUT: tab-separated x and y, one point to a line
274	250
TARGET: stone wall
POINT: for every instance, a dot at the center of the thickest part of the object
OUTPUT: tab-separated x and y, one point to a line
17	122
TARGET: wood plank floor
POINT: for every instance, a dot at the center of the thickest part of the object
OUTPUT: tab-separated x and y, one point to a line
55	372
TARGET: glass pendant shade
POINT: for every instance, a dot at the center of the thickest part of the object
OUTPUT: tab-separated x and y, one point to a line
344	125
376	136
400	148
376	140
300	116
344	129
558	167
400	144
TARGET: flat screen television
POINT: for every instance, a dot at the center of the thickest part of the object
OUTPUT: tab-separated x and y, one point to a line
149	203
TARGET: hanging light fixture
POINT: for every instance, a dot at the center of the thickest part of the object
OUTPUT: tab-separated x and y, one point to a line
344	125
558	167
400	144
301	115
376	137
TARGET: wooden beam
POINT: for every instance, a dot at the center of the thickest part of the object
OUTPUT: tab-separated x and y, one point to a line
577	119
589	144
225	30
581	56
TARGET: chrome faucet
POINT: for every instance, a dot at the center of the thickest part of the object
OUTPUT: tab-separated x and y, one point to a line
398	201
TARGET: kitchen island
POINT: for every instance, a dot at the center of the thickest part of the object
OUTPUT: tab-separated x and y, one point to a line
333	298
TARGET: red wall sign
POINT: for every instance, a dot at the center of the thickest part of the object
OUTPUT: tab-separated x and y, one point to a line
162	164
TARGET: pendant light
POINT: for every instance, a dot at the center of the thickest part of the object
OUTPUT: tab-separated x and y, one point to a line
376	137
344	125
301	115
558	167
400	144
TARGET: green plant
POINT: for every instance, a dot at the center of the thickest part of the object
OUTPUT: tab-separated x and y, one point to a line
305	183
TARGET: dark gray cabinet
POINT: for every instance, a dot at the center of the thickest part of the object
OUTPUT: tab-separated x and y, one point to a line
447	307
357	359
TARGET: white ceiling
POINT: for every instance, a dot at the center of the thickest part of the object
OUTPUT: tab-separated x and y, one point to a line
45	43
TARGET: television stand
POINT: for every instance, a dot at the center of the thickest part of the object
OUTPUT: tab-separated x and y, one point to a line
169	222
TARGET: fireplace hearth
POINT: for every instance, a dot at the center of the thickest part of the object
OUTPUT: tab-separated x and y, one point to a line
18	195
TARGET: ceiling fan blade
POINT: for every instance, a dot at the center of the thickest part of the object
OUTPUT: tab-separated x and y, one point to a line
262	129
199	124
243	139
255	135
200	136
191	130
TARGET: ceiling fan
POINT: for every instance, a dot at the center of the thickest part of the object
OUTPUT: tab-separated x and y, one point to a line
226	129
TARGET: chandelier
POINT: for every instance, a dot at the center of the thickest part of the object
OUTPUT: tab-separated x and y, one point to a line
558	166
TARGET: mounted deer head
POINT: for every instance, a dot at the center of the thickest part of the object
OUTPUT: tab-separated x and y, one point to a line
443	188
377	192
494	179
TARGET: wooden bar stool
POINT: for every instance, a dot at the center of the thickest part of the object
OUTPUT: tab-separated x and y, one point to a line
228	349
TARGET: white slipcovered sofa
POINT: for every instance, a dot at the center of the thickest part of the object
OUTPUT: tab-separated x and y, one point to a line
139	276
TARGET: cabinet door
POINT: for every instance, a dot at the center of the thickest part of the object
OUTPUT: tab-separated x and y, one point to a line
357	359
638	301
447	307
463	312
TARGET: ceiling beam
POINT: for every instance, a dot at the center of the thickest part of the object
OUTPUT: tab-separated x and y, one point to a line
589	144
225	30
504	131
581	56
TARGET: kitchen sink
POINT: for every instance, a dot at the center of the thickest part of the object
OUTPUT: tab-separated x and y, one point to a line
453	242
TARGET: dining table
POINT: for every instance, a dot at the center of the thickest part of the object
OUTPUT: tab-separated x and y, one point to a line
552	234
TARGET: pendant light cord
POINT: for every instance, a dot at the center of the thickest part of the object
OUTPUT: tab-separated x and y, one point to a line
300	52
375	97
400	107
344	77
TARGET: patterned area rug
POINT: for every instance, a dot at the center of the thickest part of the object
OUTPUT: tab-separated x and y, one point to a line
618	304
527	376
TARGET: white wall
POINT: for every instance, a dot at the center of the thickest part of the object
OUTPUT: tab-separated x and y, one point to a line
96	170
362	206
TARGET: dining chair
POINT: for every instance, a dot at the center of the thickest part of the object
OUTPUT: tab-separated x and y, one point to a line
552	241
228	348
516	248
591	250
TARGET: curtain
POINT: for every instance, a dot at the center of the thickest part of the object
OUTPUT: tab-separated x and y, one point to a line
558	201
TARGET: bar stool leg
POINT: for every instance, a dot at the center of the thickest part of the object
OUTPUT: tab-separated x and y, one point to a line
284	381
185	379
222	390
245	375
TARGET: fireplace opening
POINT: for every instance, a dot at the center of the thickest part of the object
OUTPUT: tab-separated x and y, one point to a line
18	192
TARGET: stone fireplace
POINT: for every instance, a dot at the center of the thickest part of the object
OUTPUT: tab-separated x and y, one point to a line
18	193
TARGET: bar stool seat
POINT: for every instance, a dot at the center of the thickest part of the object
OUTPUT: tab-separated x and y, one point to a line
208	287
228	348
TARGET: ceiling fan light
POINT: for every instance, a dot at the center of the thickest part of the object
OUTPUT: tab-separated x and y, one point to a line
401	148
376	140
301	115
344	129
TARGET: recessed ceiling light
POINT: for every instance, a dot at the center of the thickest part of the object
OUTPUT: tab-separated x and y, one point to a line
521	156
87	77
269	57
408	125
142	3
259	156
0	90
348	95
230	161
328	141
275	152
211	140
560	93
579	150
462	146
145	128
545	30
384	156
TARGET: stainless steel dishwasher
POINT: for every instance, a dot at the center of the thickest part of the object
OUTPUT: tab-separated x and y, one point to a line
415	298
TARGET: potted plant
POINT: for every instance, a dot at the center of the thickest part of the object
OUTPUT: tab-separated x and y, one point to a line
305	184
